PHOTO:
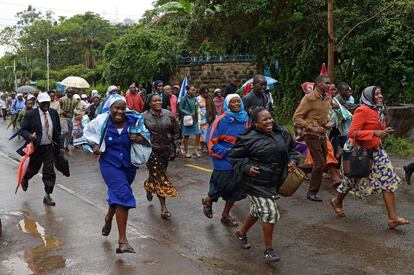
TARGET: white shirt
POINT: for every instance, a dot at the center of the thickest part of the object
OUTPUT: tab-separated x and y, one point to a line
84	104
45	138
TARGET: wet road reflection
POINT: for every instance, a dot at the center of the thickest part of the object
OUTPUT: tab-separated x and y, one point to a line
35	260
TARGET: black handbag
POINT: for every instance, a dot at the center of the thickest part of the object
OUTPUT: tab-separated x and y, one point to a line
357	163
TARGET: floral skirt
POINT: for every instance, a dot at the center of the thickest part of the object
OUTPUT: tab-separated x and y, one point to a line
203	131
382	178
157	181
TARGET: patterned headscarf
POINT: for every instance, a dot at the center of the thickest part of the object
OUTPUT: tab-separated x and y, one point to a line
368	98
111	100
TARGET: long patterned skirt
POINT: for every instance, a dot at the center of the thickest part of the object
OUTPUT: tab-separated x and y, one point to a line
382	178
157	181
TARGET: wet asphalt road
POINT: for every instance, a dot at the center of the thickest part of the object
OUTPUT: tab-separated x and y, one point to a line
309	237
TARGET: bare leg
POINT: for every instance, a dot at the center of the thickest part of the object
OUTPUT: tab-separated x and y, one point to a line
227	208
268	234
196	144
390	204
110	214
339	198
163	204
121	220
185	146
334	174
248	223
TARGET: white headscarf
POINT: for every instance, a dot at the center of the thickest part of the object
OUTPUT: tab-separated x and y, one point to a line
230	97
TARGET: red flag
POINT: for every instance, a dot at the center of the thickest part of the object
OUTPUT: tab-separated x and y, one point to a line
323	72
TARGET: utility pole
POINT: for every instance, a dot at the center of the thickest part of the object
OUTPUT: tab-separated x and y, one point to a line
331	41
14	72
48	65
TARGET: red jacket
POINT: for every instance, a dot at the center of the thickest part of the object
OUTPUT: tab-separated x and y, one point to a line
134	102
365	121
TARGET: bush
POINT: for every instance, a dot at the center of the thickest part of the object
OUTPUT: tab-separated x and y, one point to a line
400	146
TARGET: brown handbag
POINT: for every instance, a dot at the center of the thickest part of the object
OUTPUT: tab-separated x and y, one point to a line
292	183
357	163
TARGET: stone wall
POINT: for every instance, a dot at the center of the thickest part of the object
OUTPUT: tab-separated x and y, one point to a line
401	119
215	75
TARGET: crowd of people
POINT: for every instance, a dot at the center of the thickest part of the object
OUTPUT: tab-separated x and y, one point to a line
251	154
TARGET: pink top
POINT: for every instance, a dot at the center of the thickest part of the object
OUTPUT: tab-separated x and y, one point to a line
173	105
219	105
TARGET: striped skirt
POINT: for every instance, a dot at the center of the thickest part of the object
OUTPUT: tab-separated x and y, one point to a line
264	209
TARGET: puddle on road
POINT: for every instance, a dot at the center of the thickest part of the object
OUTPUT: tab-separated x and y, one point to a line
216	262
150	261
36	260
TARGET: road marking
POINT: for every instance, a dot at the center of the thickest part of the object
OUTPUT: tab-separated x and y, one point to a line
198	167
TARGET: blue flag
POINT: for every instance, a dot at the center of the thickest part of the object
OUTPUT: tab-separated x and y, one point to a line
183	90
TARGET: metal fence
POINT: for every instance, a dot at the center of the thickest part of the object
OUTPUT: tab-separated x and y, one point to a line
187	60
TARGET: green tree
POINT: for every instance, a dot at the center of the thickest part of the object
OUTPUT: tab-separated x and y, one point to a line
141	55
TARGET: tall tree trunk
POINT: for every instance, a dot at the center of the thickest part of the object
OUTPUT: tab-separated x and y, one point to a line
331	41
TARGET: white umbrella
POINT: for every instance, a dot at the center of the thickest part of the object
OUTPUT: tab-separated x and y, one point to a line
75	82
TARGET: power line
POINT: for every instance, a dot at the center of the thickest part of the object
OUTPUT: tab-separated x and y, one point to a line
64	10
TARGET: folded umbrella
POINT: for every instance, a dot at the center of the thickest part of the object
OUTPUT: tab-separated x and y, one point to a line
24	164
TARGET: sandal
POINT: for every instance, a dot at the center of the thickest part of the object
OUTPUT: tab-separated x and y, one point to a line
197	155
124	248
394	223
166	214
106	229
338	210
207	209
149	196
229	221
270	255
187	156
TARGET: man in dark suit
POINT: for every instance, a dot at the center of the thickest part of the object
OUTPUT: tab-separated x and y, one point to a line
42	127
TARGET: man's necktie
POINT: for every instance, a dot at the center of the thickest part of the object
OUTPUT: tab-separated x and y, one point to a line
47	126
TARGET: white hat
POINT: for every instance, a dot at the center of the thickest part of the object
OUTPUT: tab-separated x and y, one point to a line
43	97
84	96
19	94
29	96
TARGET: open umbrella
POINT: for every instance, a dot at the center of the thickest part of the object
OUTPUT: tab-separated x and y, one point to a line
270	82
26	89
24	164
75	82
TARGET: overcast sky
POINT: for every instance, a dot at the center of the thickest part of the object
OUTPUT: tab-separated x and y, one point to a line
112	10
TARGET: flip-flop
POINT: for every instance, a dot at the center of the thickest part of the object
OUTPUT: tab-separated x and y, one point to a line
127	249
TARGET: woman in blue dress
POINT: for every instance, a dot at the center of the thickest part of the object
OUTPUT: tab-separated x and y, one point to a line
114	147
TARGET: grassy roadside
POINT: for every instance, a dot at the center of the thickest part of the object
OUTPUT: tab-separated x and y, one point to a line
401	147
